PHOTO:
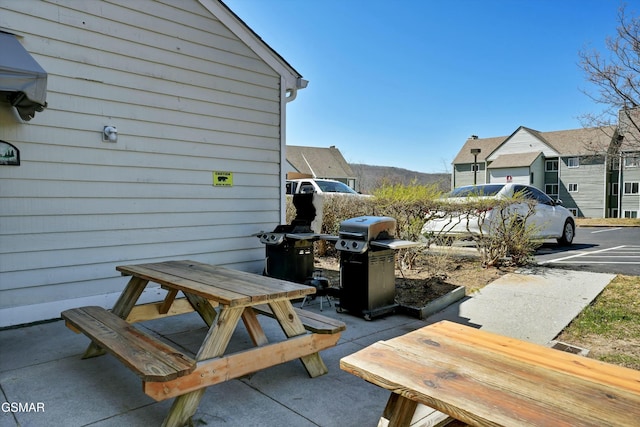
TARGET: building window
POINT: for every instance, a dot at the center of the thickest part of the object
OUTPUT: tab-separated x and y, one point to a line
631	214
615	190
613	213
573	162
573	188
551	189
573	211
551	166
531	178
632	160
631	187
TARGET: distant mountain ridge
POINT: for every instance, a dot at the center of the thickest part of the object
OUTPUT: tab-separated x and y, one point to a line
371	177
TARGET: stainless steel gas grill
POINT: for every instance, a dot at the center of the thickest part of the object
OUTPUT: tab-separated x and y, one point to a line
289	247
367	265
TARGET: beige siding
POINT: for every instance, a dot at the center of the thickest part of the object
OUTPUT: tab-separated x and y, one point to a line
518	175
522	142
537	167
464	175
188	98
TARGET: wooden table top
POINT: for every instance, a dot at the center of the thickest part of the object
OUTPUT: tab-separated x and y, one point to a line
223	285
486	379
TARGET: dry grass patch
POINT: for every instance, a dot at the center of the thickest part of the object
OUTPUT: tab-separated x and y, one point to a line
608	222
610	326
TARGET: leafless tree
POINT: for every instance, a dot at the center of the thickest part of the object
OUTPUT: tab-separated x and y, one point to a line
616	78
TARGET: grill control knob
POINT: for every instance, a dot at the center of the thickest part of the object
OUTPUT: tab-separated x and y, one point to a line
354	245
343	243
273	237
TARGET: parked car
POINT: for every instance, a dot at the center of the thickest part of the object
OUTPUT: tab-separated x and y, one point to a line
302	186
549	219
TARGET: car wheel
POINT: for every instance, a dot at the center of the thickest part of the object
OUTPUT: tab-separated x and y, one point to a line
568	232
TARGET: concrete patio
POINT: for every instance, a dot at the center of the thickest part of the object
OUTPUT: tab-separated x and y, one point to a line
40	364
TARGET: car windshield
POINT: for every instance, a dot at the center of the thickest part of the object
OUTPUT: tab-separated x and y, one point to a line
335	187
477	190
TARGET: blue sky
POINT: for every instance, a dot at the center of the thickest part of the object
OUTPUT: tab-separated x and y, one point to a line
404	83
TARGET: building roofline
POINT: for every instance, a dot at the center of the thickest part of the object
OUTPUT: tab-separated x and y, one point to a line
240	28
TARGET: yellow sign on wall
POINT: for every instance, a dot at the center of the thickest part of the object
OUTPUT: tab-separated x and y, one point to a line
222	179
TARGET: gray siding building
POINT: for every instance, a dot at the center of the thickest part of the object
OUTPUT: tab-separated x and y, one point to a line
594	171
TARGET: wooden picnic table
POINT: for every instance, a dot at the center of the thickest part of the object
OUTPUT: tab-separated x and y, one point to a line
485	379
167	372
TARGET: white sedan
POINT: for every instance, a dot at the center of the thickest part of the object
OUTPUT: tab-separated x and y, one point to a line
549	219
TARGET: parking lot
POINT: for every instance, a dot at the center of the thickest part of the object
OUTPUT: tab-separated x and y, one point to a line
597	249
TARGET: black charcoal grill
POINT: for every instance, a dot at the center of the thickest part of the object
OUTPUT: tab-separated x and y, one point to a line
367	265
289	247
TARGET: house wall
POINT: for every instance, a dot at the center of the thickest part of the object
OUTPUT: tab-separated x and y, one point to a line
463	175
537	168
522	142
518	175
187	97
630	202
591	180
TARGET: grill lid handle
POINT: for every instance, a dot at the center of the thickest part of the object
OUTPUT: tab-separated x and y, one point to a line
352	234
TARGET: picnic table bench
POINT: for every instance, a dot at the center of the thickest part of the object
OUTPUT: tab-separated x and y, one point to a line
168	372
486	379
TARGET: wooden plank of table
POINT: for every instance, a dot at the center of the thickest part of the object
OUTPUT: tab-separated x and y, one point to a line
292	326
148	357
227	286
214	345
217	370
204	307
150	311
492	386
254	329
399	409
122	308
259	284
215	278
537	355
222	296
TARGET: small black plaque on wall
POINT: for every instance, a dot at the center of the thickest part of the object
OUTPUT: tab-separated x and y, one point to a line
9	154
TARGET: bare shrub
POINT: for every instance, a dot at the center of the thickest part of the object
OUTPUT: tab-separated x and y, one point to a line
510	241
505	240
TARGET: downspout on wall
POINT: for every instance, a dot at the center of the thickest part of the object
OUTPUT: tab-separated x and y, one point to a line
287	94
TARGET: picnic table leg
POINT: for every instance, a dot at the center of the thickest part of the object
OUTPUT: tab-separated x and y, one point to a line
399	410
203	307
214	345
292	326
256	333
122	308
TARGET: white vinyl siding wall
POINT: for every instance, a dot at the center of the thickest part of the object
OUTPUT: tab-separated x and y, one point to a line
522	142
518	175
187	97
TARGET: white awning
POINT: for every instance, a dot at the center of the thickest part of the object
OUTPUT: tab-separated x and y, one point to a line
23	82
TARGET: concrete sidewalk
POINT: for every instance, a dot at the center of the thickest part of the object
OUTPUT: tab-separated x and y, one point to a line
41	364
